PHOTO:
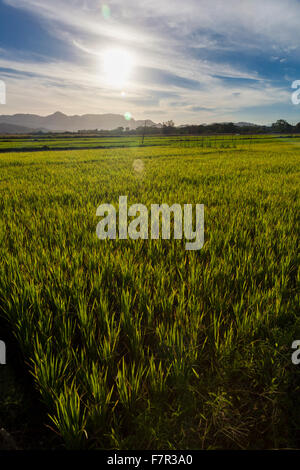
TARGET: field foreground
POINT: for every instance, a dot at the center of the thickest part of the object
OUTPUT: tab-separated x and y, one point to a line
142	344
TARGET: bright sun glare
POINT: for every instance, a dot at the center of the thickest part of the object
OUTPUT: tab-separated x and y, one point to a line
117	67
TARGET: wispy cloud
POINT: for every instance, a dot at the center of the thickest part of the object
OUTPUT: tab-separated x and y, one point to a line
213	59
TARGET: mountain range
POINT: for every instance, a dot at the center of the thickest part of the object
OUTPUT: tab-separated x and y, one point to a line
60	122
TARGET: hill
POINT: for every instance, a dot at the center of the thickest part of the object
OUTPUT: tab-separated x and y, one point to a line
14	129
61	122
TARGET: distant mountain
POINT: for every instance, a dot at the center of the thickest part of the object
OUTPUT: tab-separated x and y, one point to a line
61	122
245	124
238	124
14	129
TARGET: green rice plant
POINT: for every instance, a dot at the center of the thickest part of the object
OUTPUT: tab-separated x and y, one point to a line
131	326
107	347
49	371
157	377
99	399
70	418
129	382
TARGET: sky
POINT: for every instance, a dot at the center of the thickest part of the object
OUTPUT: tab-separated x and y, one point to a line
192	61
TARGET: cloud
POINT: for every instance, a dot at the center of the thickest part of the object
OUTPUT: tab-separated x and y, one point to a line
205	56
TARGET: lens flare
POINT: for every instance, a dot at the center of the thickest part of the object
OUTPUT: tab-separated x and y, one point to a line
105	12
127	116
138	166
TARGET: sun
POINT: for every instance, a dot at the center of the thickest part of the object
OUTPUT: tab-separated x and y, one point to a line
117	67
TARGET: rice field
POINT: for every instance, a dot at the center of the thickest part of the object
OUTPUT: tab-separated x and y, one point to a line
67	142
141	344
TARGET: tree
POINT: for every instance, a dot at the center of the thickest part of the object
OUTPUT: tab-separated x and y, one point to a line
297	128
281	126
168	127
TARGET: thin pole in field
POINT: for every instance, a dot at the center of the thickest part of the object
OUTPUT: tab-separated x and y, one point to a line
144	130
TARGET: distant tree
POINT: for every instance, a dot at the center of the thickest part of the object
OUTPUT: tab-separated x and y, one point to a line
169	123
297	128
168	127
281	126
118	130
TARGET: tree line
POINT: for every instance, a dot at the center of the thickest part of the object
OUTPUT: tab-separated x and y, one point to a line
169	128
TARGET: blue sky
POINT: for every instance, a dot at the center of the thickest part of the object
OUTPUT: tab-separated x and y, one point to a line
194	61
